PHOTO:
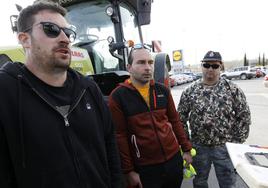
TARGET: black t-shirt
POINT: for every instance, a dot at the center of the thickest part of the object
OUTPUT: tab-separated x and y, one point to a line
60	97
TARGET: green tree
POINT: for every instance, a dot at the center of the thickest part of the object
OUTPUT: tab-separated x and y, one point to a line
259	60
263	60
245	60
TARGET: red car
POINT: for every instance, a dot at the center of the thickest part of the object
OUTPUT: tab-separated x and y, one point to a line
172	82
265	82
259	73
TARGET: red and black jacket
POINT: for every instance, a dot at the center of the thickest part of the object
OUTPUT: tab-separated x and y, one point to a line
146	135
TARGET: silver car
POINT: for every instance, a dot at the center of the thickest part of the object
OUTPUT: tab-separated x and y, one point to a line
243	73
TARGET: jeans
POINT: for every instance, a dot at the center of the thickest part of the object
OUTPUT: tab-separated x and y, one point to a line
164	175
218	155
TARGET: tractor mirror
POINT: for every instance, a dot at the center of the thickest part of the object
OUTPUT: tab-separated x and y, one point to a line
13	22
143	9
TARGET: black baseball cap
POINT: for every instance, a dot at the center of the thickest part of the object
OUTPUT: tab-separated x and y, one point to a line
212	56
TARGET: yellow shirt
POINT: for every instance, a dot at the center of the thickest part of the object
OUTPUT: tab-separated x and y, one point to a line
144	91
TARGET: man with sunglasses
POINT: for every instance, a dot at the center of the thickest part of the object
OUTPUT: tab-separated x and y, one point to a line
55	128
148	129
215	111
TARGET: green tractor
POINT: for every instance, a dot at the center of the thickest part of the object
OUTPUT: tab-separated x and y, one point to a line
104	30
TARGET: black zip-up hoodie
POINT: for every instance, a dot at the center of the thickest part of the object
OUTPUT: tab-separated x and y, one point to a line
40	148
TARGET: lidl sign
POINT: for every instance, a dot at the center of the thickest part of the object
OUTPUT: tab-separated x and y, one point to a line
177	55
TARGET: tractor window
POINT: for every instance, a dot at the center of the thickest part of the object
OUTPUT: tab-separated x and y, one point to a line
129	23
93	27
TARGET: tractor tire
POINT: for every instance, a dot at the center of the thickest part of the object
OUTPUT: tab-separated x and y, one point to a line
161	68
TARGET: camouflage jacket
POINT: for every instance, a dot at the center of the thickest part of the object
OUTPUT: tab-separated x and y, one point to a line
214	115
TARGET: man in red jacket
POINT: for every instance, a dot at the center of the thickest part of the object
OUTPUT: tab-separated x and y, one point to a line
148	128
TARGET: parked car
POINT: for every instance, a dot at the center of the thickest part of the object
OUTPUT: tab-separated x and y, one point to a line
265	82
193	75
263	69
259	73
199	75
189	78
180	78
244	72
172	82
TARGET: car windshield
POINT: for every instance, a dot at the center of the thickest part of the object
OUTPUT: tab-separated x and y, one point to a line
93	27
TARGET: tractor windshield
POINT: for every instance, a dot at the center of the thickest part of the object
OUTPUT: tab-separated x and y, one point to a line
93	27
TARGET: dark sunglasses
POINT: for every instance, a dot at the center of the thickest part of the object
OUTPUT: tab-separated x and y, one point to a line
53	30
207	66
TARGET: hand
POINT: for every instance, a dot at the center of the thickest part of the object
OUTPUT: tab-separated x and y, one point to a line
187	157
133	179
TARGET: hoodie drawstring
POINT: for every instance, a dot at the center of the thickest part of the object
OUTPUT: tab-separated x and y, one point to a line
21	122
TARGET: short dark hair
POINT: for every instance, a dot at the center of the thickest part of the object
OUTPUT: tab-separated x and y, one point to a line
133	49
26	16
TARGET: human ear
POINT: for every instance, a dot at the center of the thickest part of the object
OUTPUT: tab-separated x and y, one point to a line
128	67
24	39
222	67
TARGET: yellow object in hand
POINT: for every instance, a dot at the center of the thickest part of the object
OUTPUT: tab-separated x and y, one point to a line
193	152
188	170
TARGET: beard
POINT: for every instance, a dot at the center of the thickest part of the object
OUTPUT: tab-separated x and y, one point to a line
142	79
50	60
211	76
59	64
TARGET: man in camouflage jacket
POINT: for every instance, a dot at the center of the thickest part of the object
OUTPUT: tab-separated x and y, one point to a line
214	111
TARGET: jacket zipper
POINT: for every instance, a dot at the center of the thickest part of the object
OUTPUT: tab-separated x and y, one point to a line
66	121
67	124
77	101
153	93
149	109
